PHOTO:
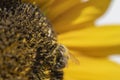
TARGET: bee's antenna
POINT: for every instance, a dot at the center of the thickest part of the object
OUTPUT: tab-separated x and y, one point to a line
9	4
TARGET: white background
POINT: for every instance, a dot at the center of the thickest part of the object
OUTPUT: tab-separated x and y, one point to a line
112	16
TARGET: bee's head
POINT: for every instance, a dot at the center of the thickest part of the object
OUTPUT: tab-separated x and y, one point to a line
61	56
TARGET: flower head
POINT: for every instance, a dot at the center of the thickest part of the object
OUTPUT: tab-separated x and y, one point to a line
74	21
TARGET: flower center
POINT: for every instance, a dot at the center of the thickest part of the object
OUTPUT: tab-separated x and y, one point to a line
28	44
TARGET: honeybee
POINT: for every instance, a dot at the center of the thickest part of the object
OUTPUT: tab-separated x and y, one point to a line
28	44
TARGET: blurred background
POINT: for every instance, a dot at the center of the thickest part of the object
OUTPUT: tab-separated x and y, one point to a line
112	16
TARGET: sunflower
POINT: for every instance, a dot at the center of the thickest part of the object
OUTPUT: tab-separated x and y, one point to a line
74	21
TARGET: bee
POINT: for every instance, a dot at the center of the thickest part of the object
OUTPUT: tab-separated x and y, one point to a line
28	44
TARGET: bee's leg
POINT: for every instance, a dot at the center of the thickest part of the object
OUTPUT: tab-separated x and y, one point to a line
37	75
57	71
56	75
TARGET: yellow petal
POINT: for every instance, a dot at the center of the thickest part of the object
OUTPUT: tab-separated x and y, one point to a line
69	13
95	41
66	15
92	69
43	4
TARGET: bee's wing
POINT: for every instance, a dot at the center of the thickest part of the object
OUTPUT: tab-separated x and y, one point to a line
70	56
73	58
